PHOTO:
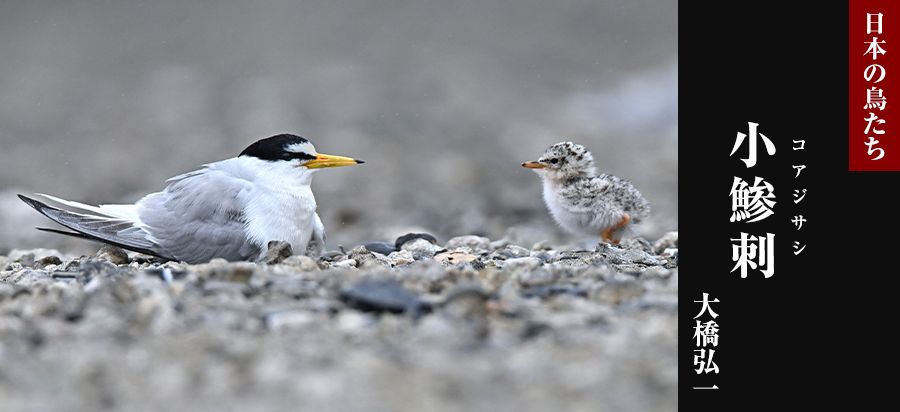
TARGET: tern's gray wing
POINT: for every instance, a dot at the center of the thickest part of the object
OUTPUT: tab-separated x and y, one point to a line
200	216
119	232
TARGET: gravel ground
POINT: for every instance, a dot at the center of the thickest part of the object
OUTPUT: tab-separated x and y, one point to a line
470	324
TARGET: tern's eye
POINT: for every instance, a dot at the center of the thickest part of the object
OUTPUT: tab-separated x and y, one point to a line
286	156
554	161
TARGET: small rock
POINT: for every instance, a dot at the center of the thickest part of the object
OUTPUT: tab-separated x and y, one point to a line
403	257
221	269
618	255
454	258
276	251
535	277
301	262
555	288
345	264
380	247
363	256
474	242
27	277
667	241
380	296
27	259
544	257
618	291
579	258
112	254
638	243
517	251
465	302
216	287
422	247
292	319
522	262
90	269
50	260
409	237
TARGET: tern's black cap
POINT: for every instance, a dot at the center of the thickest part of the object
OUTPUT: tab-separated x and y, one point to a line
275	148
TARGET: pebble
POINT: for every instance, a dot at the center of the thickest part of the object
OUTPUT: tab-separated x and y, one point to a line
364	257
380	295
474	242
50	260
667	241
276	252
410	237
421	246
301	262
617	291
380	247
455	258
113	254
403	257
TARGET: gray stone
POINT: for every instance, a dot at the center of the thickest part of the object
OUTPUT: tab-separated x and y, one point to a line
411	237
50	260
112	254
477	243
422	247
301	262
383	248
615	292
364	257
380	295
667	241
276	252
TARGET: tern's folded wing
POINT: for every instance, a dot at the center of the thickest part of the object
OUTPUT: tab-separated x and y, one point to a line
119	232
200	217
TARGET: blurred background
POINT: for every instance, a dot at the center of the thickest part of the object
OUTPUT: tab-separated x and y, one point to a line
102	101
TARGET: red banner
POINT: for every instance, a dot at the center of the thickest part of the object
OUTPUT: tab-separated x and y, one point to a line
874	70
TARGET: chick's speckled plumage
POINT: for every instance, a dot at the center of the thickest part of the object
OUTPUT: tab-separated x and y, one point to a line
580	200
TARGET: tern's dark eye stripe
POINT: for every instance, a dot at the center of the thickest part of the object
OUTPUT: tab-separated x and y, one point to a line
299	155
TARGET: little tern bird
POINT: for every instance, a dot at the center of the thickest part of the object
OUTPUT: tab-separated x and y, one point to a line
229	209
582	201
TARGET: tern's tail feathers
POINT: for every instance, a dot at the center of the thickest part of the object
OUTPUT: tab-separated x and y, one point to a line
127	212
119	232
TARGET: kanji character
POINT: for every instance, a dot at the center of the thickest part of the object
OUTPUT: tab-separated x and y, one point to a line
745	252
875	98
751	161
874	48
869	23
706	366
747	202
706	307
707	333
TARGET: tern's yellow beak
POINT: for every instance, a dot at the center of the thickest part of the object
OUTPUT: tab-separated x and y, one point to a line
535	165
324	160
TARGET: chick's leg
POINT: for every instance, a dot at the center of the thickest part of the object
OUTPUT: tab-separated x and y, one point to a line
607	234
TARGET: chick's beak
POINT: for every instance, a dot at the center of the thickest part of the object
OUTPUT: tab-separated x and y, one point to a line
324	160
535	165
